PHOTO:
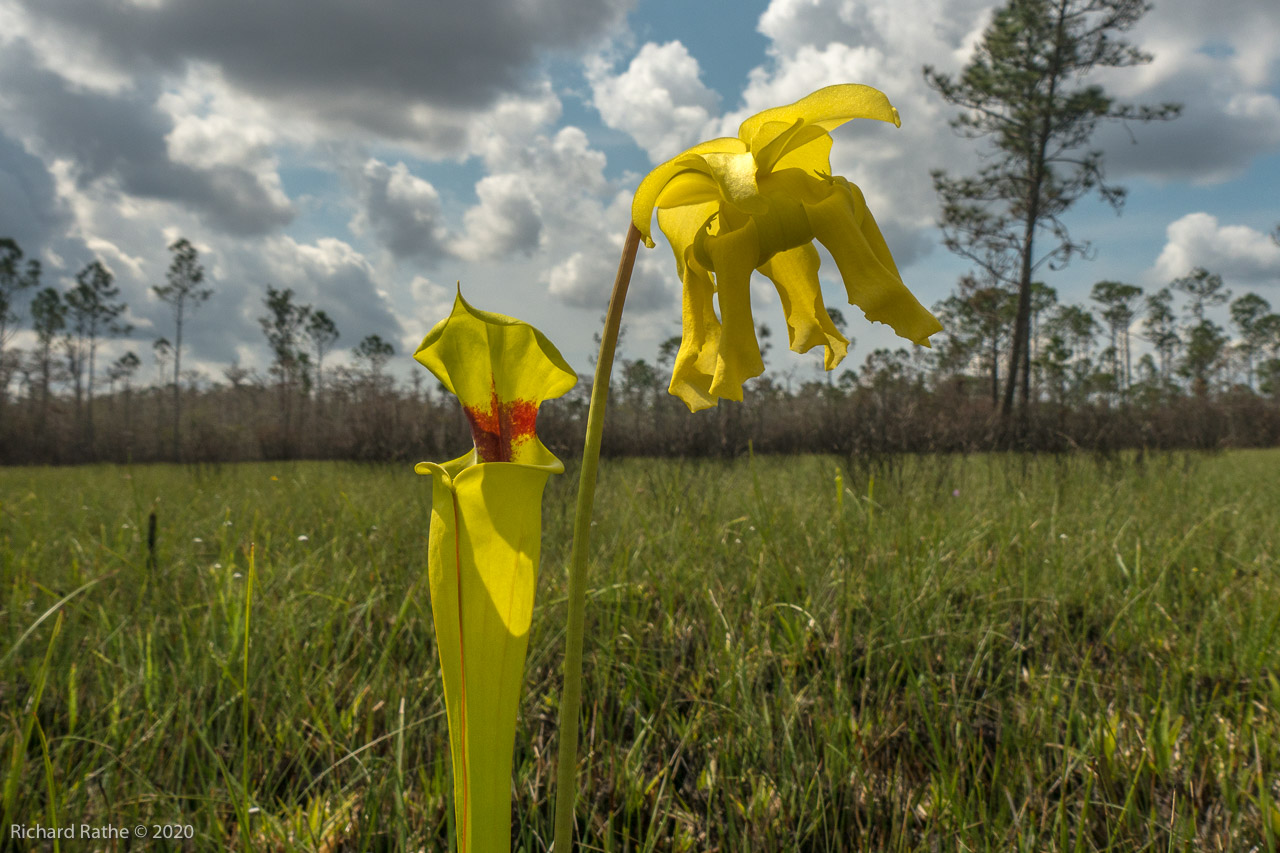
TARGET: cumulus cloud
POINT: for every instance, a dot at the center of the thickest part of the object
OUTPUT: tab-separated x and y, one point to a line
660	100
508	219
1236	252
399	69
401	209
123	140
577	279
541	191
1218	60
431	303
584	279
31	211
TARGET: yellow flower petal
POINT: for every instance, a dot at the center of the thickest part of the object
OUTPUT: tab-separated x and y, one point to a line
734	255
811	156
799	135
846	227
688	188
828	108
651	187
696	360
795	274
735	174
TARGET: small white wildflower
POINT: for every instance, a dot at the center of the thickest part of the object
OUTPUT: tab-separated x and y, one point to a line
197	540
217	565
226	523
237	575
737	541
1062	536
302	538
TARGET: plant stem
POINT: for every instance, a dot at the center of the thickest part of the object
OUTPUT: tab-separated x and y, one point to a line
571	695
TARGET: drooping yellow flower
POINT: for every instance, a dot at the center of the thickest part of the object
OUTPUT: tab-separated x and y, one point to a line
482	562
757	201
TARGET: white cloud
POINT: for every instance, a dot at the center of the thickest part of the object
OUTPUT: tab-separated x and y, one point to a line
431	303
577	279
1236	252
542	193
508	219
401	209
660	100
384	69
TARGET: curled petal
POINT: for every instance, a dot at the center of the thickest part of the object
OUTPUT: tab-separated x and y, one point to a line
795	274
846	227
651	187
734	255
688	188
768	151
828	108
696	360
695	363
813	156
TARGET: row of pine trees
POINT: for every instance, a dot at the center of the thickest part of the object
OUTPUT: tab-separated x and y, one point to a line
1123	351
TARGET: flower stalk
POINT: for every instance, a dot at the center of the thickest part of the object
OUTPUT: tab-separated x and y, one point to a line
571	693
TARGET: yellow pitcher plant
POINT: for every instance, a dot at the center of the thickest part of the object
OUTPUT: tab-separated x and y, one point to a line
485	536
730	208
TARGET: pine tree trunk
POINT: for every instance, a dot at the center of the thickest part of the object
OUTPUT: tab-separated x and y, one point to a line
177	388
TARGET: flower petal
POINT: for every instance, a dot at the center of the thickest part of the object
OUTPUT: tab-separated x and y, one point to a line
501	369
647	193
696	360
735	174
798	135
795	274
846	227
828	108
688	187
734	256
786	225
812	156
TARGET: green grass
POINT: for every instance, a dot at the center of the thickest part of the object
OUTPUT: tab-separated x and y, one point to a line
782	654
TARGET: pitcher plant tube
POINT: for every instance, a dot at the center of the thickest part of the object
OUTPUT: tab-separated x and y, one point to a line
730	207
485	537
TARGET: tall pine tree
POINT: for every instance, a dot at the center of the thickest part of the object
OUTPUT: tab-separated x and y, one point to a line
1024	92
184	294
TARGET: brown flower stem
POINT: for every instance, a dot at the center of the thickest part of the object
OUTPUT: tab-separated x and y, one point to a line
571	696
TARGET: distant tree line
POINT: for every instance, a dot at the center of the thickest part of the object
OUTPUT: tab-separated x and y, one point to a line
59	404
1126	369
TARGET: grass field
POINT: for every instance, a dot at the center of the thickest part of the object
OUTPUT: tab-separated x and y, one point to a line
928	654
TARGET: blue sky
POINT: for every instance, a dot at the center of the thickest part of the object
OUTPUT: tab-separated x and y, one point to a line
370	161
